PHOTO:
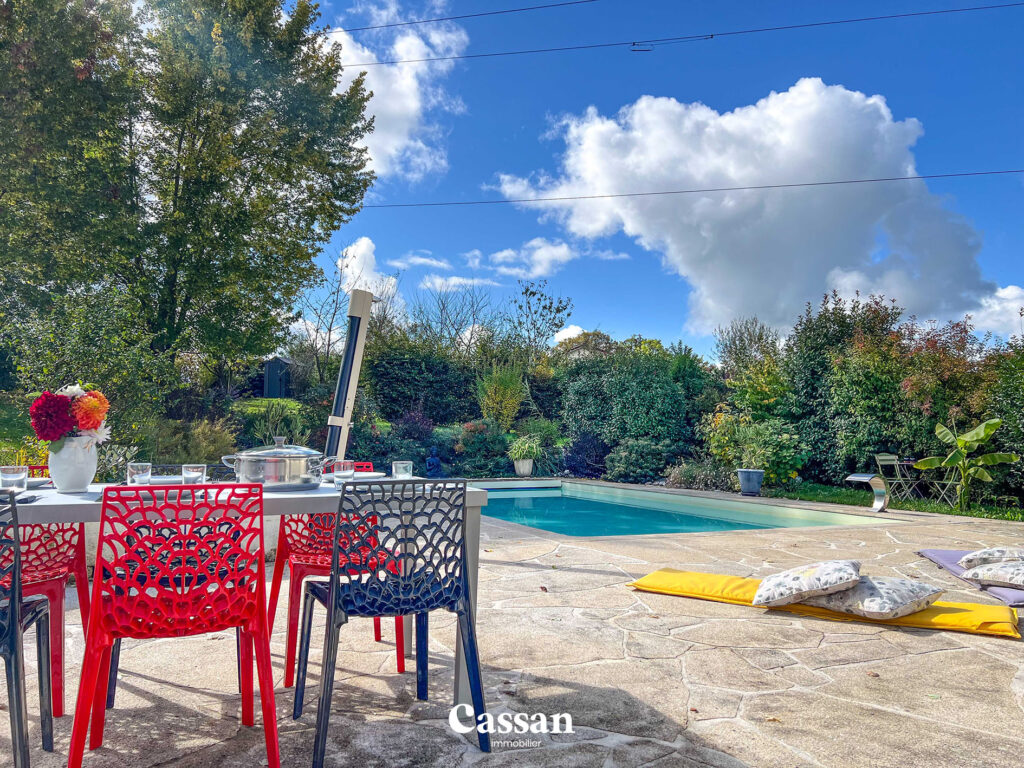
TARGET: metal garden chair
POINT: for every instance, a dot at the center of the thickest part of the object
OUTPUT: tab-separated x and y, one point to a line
901	485
16	616
944	489
50	556
408	538
175	561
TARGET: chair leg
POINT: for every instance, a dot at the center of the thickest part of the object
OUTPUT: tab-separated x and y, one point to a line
400	644
15	666
421	656
323	709
83	707
54	592
115	661
376	628
476	686
275	583
99	701
307	630
245	668
294	596
45	686
265	672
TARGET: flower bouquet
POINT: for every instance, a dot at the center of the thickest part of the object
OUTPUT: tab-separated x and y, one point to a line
73	421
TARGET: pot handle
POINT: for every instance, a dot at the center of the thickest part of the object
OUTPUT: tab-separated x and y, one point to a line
229	464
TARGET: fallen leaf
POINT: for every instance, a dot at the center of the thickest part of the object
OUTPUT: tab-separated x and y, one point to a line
543	589
873	674
772	720
694	709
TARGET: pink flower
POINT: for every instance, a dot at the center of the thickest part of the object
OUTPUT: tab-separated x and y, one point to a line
51	416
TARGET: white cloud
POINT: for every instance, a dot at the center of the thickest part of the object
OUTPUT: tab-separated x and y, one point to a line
358	265
1002	312
406	141
569	332
538	257
419	259
453	283
768	252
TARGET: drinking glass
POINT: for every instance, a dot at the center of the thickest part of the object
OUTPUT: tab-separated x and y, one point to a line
344	472
192	474
14	478
401	470
139	472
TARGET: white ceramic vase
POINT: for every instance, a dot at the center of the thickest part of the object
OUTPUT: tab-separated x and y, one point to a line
73	466
524	467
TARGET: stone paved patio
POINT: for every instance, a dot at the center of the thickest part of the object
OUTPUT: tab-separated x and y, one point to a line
649	680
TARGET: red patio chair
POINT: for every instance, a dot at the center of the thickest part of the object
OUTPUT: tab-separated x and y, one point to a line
176	561
50	556
304	544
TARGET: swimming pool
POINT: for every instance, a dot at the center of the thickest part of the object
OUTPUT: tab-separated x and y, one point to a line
583	509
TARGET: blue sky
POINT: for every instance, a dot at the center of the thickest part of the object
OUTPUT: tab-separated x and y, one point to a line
610	120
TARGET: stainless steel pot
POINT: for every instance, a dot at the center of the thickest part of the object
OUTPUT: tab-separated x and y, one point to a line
279	467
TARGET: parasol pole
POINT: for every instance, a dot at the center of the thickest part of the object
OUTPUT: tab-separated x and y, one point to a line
340	420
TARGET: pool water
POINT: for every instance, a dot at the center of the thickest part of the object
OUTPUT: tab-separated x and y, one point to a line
578	509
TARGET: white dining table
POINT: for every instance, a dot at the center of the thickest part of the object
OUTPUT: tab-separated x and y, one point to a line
49	506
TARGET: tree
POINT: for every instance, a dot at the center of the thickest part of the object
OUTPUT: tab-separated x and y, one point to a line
967	468
742	343
536	316
227	158
316	343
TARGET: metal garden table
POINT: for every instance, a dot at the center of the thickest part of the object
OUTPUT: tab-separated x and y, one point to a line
53	507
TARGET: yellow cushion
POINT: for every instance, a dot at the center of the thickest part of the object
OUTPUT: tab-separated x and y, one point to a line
976	618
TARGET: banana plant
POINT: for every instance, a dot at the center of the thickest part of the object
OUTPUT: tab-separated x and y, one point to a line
967	468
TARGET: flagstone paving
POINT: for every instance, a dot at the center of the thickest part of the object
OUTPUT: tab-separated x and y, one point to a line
649	680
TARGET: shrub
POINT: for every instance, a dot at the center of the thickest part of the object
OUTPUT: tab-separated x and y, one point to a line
701	475
500	393
481	450
178	442
737	442
1006	400
525	447
637	460
263	420
405	372
545	430
414	425
585	456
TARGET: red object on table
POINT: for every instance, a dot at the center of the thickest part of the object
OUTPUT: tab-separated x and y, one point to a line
175	561
38	470
304	543
358	466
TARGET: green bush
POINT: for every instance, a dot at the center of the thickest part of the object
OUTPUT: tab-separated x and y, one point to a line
636	460
525	447
180	442
701	475
500	393
545	430
265	419
405	373
737	442
1006	401
585	456
481	450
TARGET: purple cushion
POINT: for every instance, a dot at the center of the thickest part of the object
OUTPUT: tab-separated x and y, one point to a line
947	558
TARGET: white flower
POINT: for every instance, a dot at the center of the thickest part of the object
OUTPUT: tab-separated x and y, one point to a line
71	390
99	435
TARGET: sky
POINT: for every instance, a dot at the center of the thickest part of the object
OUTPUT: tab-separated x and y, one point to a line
916	96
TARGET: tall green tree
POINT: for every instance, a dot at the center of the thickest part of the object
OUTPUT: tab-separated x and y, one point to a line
227	156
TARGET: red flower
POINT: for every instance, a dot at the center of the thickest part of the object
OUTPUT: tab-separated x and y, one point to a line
51	416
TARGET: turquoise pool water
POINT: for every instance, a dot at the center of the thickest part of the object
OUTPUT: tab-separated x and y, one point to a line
578	509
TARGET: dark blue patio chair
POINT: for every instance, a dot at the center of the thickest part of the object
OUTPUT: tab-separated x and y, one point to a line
16	616
399	550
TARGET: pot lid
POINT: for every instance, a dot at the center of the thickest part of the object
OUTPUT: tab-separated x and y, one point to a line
280	450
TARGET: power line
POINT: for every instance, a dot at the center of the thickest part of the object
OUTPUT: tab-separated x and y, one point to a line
469	15
696	191
640	44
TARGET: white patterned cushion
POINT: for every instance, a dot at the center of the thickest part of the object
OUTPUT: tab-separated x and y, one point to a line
991	555
794	585
880	598
1009	574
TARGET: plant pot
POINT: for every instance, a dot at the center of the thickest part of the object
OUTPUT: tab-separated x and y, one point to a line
750	481
73	465
524	467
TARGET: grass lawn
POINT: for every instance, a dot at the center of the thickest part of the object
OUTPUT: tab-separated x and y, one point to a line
258	405
14	422
861	498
